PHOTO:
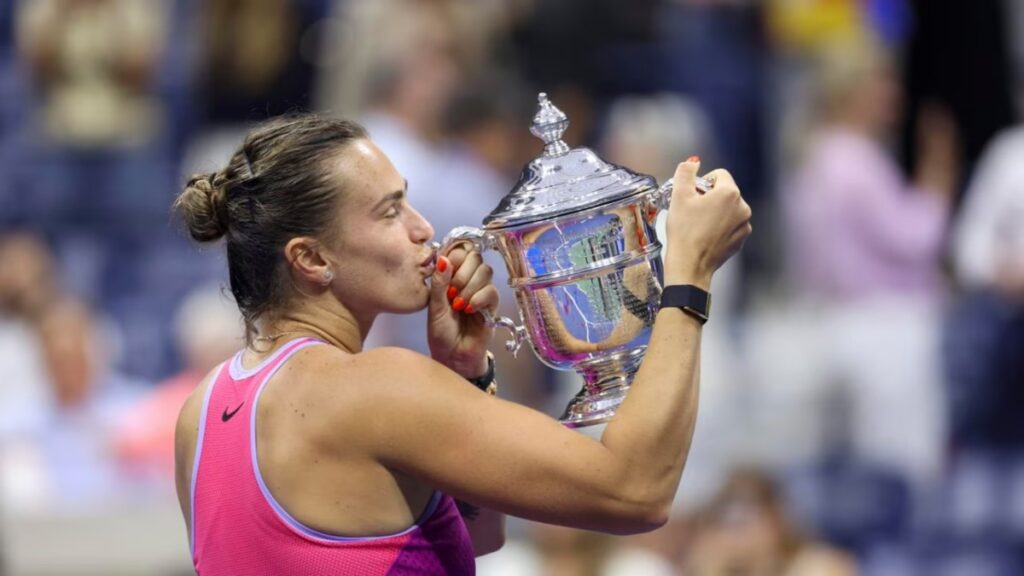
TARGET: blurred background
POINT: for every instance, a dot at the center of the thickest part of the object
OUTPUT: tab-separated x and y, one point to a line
864	365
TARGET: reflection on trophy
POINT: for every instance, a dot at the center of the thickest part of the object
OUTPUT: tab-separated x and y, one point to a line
577	236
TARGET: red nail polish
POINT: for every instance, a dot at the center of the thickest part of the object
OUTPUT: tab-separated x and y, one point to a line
469	309
459	303
693	158
442	264
452	292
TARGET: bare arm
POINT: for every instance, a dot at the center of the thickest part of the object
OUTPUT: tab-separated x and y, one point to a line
425	420
510	458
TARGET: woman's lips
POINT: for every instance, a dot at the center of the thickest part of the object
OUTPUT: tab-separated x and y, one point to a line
431	259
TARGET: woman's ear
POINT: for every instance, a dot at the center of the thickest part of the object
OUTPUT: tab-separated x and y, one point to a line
306	261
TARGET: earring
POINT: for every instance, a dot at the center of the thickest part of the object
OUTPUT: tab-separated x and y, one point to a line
328	276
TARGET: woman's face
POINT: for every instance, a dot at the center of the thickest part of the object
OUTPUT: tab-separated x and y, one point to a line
380	256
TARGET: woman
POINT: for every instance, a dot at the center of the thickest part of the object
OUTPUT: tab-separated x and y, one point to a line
306	455
865	243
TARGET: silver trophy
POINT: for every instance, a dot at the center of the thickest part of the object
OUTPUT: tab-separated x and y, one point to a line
577	236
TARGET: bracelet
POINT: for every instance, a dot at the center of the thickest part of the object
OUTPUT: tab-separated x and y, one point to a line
486	382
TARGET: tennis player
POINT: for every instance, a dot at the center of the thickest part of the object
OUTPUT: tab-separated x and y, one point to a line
306	455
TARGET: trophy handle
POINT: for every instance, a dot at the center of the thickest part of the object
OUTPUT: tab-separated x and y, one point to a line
483	241
659	199
518	332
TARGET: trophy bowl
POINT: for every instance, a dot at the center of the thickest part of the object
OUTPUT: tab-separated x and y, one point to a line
577	236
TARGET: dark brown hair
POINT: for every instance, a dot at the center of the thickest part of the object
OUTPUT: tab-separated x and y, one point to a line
277	186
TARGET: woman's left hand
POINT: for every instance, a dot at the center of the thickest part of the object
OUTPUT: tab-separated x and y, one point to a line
460	288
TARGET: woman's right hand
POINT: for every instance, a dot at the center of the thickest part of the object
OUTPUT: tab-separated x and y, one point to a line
704	230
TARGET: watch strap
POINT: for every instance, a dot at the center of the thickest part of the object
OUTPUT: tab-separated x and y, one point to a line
486	381
690	299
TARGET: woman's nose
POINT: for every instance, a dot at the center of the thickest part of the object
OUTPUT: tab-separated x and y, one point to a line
422	231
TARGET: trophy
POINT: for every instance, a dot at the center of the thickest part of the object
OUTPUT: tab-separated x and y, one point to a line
577	236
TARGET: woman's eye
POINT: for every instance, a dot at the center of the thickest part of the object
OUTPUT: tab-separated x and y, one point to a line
392	212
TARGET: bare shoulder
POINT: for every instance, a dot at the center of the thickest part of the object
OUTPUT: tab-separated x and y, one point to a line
352	381
191	410
395	361
374	371
401	376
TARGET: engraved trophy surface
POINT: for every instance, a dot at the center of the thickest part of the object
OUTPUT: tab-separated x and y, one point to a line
577	236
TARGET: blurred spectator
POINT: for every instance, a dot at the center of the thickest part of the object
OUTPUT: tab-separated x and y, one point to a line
28	280
648	134
428	47
99	171
569	552
93	61
747	532
864	248
560	551
986	334
256	58
59	399
988	245
208	329
28	286
413	85
57	452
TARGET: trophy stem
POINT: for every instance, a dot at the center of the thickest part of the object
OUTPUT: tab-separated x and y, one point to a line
605	384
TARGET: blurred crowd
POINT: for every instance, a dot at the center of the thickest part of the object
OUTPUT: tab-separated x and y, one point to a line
863	371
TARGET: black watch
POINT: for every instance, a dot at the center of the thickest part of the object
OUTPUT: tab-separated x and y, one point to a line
690	299
486	382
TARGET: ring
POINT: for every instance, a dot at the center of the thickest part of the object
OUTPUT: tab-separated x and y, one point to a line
711	179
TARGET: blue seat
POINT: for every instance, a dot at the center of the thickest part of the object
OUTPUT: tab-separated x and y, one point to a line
849	502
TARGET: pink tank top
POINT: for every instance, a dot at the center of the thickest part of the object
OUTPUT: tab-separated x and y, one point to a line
239	528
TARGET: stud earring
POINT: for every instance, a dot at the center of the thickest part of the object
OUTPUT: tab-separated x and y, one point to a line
328	276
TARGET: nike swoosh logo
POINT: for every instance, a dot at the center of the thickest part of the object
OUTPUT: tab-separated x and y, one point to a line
228	415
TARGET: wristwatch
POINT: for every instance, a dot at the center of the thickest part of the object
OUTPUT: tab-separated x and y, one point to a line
690	299
486	382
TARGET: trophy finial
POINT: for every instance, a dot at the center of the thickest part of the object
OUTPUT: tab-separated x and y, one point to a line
549	124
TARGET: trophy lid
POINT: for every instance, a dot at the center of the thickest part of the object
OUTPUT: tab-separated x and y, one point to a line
562	180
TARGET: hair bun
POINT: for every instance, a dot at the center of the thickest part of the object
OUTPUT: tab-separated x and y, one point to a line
203	205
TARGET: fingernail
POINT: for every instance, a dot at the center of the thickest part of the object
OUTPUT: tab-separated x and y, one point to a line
452	291
469	309
442	264
693	158
459	303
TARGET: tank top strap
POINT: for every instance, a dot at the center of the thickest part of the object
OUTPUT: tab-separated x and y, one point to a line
270	363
